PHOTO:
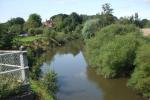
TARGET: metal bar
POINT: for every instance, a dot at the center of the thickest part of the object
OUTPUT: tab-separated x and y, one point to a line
10	65
11	51
7	53
13	70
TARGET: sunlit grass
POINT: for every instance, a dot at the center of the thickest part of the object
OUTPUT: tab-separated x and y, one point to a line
40	91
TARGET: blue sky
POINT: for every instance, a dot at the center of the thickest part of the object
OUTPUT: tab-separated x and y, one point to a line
47	8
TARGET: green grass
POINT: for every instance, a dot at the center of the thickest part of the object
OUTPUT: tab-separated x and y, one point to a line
29	38
40	91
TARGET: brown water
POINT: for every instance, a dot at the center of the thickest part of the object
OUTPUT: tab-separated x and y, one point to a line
77	81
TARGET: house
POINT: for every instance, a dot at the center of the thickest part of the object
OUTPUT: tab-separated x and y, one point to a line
48	23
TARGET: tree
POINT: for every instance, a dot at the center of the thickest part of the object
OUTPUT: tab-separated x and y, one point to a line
49	33
5	38
34	21
16	28
107	15
107	9
15	25
137	21
58	21
17	20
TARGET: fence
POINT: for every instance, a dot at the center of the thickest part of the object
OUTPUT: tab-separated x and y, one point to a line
14	67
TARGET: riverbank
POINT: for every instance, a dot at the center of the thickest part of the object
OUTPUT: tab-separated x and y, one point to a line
70	65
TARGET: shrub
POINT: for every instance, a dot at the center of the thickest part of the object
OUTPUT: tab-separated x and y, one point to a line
49	81
9	87
140	79
112	50
90	27
31	31
38	31
49	33
116	57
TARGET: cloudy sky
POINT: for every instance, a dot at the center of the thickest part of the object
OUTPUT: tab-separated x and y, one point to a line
47	8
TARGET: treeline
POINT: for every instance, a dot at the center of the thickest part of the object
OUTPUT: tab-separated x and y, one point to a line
114	46
117	48
65	27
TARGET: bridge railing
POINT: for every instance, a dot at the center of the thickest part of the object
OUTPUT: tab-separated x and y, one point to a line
13	67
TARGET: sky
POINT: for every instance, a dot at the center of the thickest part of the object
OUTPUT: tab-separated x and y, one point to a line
47	8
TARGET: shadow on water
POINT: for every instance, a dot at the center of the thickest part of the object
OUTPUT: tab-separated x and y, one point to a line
79	82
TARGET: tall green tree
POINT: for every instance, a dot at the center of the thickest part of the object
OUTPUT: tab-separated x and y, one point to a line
34	21
107	9
15	21
107	15
5	38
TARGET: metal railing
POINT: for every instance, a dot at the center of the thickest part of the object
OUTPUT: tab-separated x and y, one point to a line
14	66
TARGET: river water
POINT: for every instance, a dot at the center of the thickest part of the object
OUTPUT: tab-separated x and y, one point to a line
77	81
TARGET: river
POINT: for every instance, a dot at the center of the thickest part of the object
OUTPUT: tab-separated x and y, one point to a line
77	81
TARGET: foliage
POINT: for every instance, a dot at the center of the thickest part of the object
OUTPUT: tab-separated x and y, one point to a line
40	91
66	23
134	19
116	57
49	80
14	21
34	21
7	89
111	51
6	40
49	33
107	9
146	23
16	28
106	16
35	18
90	27
35	31
140	79
58	21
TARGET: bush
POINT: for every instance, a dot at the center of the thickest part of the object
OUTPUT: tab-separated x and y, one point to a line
38	31
90	27
49	81
15	29
31	31
6	40
116	57
49	33
112	50
140	79
9	87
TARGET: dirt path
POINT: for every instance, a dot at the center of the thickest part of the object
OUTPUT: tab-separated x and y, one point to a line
146	31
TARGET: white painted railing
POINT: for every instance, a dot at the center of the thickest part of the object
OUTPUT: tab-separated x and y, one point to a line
14	65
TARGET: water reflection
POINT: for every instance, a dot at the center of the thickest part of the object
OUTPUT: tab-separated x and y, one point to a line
79	82
113	89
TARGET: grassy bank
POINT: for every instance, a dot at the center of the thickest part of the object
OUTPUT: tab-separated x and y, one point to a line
41	91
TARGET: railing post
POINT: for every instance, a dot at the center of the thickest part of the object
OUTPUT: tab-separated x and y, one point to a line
23	63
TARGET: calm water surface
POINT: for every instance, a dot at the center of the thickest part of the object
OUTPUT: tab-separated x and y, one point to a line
79	82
